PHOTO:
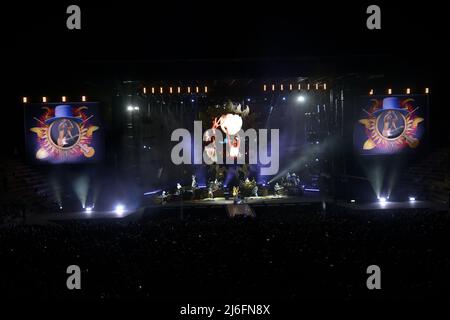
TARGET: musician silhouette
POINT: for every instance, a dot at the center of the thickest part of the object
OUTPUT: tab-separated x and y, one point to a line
391	122
65	135
64	126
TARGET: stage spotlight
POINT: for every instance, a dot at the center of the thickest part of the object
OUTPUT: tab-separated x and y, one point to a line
88	209
301	98
120	209
136	108
130	108
353	201
284	98
382	200
412	199
60	207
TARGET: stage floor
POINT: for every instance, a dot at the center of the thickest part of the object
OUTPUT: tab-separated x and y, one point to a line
266	200
287	201
404	205
80	215
136	214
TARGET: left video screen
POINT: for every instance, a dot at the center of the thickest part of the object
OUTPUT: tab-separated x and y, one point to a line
64	132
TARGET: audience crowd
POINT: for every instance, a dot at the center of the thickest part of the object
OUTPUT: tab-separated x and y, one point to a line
283	253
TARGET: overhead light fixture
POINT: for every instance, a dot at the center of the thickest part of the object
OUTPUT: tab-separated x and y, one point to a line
119	209
301	98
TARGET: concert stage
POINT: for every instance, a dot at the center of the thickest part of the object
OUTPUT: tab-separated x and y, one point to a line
263	200
136	214
81	215
395	205
305	202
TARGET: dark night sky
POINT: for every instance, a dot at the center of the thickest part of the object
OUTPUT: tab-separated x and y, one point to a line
148	40
150	31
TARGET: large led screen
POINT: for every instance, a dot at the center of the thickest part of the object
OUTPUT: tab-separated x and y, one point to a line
64	132
390	124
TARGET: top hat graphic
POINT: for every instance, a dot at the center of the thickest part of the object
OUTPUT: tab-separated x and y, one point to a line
63	111
391	103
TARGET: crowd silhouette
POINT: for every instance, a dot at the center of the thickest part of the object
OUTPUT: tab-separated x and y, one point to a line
283	253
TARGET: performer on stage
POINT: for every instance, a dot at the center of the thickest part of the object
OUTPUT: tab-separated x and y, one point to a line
179	189
194	182
277	188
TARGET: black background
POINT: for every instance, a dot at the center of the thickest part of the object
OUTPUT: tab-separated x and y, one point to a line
144	40
115	37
